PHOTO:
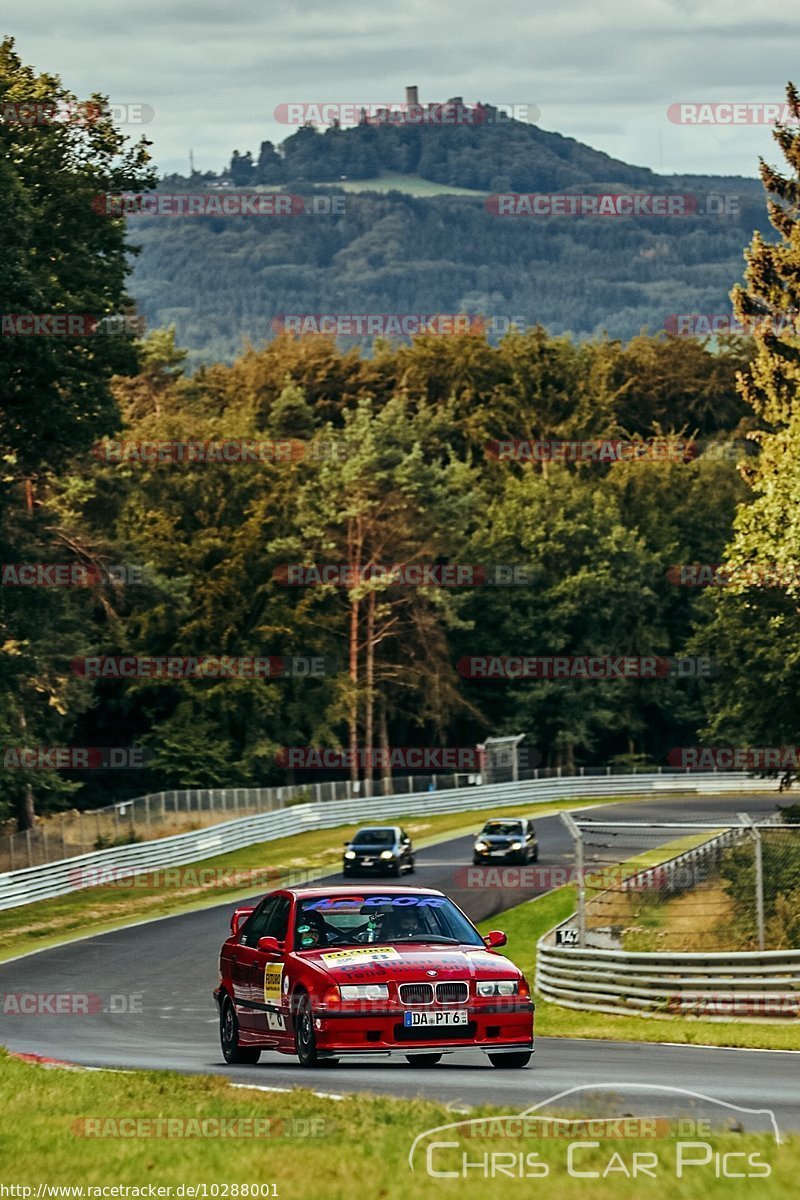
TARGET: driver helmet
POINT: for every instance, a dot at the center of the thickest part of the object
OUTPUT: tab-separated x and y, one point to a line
310	931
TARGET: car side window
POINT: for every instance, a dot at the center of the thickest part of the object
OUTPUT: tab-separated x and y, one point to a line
256	926
278	921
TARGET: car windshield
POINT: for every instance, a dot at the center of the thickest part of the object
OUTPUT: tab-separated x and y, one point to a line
502	828
371	918
374	837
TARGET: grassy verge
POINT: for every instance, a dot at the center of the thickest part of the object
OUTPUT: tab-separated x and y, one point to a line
526	923
58	1129
98	909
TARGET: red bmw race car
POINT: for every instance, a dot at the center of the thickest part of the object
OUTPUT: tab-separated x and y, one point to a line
327	972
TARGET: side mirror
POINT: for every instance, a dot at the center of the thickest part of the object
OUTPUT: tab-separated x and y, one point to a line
495	938
238	919
270	945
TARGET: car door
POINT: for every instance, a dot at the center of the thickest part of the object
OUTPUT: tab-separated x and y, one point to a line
267	975
245	964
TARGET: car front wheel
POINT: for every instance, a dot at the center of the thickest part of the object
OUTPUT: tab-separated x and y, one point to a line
232	1052
514	1060
305	1043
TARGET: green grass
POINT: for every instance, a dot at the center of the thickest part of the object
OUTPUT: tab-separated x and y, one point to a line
361	1145
412	185
98	909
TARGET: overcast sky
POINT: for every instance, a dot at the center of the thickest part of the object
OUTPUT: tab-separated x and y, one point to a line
604	72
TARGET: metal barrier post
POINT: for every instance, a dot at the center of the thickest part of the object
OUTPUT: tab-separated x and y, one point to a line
577	836
747	820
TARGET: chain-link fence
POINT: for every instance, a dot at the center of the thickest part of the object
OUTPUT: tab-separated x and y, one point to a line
648	887
64	835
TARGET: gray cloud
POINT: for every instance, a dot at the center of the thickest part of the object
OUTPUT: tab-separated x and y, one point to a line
603	73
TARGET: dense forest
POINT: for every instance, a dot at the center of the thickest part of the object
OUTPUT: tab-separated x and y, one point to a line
223	280
392	459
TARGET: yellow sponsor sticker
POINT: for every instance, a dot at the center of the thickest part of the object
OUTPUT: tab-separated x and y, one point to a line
359	954
273	975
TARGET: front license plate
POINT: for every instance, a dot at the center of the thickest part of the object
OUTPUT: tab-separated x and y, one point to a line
366	862
457	1016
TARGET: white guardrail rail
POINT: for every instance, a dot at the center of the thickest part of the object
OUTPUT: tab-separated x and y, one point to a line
718	986
732	985
73	874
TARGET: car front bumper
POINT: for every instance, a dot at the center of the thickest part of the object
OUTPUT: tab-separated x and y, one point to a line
491	1029
378	867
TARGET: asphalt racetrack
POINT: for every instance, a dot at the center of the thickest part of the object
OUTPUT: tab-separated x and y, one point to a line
171	964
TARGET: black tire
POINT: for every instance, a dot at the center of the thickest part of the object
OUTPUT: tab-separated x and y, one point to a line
476	862
535	853
411	866
423	1060
395	869
305	1043
232	1052
514	1061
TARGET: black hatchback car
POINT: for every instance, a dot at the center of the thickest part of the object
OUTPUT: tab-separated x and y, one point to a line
385	849
509	838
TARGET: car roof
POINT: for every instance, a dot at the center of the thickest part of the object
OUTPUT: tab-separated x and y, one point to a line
373	828
371	889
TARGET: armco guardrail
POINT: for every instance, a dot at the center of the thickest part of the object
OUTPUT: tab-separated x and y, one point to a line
720	986
723	986
69	875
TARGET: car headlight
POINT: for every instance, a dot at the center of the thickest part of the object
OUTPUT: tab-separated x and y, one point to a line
365	991
349	853
387	853
481	845
497	987
516	845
